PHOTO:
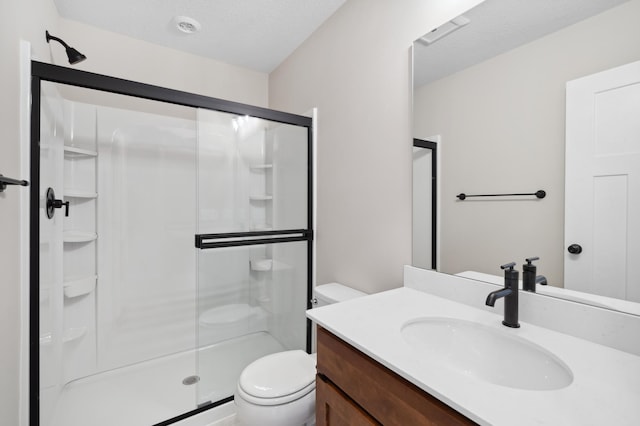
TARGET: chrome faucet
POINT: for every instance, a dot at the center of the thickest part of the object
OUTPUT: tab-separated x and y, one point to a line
510	294
529	277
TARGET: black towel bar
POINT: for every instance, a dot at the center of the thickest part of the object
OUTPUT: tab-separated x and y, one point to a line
4	181
538	194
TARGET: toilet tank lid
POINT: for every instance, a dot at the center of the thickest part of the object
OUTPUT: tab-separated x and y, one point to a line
335	292
279	374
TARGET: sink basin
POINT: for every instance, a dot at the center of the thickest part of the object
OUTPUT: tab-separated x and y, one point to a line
486	353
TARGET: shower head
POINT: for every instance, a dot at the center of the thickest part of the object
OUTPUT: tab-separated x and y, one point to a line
73	55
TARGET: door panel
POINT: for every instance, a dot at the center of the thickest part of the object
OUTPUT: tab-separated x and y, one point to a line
424	204
602	192
252	174
50	249
254	245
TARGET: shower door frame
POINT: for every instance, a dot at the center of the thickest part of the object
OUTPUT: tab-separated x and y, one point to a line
63	75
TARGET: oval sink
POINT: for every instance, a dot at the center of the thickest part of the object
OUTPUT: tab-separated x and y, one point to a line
486	353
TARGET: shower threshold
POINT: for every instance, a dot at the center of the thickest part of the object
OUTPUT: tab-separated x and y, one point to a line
153	391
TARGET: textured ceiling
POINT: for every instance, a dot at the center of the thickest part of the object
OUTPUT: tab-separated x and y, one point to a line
255	34
498	26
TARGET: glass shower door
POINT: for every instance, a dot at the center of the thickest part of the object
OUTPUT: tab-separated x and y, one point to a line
116	280
253	245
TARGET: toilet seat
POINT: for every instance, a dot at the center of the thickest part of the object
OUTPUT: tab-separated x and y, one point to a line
279	400
278	378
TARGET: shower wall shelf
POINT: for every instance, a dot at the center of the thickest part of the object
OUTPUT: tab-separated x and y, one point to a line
227	314
80	287
72	151
73	333
68	336
78	236
78	193
261	265
45	339
261	197
261	166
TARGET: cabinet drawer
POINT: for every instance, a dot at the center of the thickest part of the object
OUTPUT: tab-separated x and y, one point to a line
387	397
334	408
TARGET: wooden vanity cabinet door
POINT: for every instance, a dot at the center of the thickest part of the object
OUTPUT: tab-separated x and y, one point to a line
334	408
385	396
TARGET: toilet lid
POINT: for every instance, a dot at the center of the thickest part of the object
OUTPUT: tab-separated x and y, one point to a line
278	375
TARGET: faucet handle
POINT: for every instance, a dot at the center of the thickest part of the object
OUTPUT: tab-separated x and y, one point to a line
531	259
508	266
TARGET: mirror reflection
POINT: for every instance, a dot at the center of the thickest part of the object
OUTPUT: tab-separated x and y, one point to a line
502	93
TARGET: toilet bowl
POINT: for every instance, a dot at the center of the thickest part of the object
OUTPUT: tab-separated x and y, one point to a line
280	389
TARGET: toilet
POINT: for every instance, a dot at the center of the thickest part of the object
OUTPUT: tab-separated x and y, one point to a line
280	389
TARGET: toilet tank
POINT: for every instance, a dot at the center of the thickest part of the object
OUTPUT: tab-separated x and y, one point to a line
327	294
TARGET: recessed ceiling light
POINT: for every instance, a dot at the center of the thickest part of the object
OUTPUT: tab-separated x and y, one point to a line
187	25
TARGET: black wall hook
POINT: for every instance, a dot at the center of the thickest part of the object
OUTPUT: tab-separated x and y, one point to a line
4	181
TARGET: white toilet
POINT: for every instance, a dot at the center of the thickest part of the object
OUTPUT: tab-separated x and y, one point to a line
280	389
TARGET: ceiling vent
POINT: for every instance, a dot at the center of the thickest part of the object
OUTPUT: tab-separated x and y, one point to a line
187	25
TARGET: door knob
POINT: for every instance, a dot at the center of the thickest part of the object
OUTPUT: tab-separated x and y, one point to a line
575	249
53	203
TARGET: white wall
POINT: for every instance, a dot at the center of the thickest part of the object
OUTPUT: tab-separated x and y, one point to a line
356	69
24	19
491	143
107	54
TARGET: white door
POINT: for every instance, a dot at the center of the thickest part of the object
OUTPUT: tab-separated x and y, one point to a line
602	187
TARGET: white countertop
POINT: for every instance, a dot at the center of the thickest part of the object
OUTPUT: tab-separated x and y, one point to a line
605	389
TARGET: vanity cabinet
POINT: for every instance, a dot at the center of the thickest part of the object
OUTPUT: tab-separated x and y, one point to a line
353	389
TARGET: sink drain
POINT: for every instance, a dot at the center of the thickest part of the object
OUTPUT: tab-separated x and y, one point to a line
191	380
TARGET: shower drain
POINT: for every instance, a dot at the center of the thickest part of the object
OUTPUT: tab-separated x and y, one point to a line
190	380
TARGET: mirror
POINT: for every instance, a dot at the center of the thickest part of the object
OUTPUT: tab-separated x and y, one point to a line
490	88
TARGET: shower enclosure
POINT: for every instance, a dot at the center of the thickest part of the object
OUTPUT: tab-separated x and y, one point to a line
170	247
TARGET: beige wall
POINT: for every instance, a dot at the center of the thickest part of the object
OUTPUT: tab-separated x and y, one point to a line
108	53
502	128
121	56
355	69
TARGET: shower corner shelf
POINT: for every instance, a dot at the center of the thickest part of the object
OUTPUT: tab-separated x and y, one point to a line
261	166
79	287
73	333
78	236
69	335
262	197
45	339
72	151
261	265
78	193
